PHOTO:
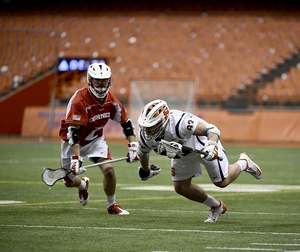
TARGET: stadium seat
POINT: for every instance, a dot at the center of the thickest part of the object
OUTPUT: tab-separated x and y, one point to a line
223	50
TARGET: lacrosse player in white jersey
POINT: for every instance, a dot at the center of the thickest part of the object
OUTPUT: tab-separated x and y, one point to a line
166	132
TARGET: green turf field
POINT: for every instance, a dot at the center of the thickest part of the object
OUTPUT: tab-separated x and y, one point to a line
262	215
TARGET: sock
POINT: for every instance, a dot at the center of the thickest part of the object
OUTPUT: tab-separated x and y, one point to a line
211	201
82	185
110	200
243	164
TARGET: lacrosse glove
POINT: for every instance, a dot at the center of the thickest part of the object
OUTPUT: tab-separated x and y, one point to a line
211	148
132	152
154	170
173	150
76	165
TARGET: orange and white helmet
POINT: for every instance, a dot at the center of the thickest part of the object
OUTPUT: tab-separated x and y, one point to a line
98	78
153	119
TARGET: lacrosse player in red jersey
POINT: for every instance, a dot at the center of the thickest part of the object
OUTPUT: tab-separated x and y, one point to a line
168	133
88	111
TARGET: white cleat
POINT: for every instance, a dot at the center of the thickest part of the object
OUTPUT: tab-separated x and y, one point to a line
215	212
252	168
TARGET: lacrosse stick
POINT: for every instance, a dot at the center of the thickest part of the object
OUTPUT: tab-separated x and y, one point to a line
51	176
173	147
185	148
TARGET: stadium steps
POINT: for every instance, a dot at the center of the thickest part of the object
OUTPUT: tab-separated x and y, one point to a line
240	101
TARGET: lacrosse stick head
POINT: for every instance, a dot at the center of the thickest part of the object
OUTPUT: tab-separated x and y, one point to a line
51	176
153	119
172	148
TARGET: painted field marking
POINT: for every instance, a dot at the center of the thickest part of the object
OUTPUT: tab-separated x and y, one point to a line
30	160
5	202
258	249
231	188
102	200
275	244
45	205
186	211
248	249
155	230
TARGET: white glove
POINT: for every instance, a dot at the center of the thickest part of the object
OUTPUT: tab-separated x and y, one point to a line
161	150
211	148
132	152
154	170
173	149
76	165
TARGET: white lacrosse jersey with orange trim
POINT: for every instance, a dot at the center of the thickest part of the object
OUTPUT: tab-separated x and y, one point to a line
180	129
86	110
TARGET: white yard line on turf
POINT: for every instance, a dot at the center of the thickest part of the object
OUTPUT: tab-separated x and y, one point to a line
173	211
154	230
231	188
246	249
5	202
31	160
275	244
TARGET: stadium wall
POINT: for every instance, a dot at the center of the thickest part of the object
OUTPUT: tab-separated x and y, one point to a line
12	107
260	126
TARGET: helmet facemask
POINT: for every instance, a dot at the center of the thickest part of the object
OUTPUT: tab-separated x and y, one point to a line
153	119
99	78
99	87
151	133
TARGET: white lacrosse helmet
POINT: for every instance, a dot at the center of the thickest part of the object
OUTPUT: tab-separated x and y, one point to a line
153	119
98	78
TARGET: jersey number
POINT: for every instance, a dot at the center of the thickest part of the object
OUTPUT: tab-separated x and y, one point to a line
92	135
190	125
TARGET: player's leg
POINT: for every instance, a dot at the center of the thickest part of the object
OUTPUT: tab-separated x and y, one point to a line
229	173
72	180
82	184
189	190
222	173
198	194
183	170
109	178
72	183
98	152
109	186
233	172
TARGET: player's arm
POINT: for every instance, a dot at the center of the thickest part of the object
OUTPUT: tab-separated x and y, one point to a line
129	133
209	130
77	160
73	137
213	135
146	171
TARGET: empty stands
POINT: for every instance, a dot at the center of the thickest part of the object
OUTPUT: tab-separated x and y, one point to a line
223	49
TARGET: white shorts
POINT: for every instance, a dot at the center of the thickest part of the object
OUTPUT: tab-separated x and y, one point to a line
190	166
97	148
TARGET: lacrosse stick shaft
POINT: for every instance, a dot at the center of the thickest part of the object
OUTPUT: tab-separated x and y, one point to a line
51	176
198	151
176	149
105	162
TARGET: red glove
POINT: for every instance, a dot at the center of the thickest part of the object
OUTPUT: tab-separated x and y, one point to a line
76	165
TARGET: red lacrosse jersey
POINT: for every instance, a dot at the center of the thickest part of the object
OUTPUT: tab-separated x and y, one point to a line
86	110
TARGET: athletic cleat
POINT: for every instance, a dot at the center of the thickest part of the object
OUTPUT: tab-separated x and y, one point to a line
215	212
115	209
252	168
84	194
